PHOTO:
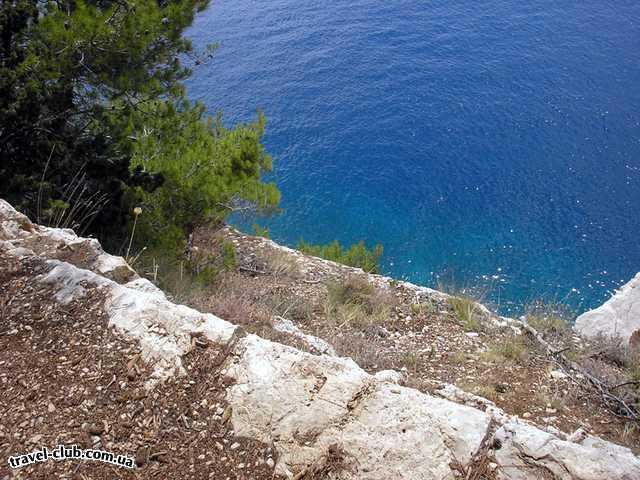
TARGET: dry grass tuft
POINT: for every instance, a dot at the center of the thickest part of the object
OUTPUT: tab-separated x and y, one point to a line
552	321
356	303
467	312
279	263
511	348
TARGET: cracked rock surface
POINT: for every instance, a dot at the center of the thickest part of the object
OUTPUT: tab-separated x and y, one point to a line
308	408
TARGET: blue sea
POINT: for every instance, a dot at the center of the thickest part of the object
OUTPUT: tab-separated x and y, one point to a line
492	145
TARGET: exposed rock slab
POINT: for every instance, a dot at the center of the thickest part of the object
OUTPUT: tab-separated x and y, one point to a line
19	234
617	317
285	325
305	405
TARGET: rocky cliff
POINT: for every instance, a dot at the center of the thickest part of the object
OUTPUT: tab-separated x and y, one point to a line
150	372
618	317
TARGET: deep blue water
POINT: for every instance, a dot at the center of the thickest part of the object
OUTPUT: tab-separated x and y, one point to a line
492	144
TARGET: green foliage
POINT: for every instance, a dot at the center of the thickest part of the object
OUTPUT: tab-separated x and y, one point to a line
467	312
93	114
66	68
357	255
229	260
260	231
205	269
206	167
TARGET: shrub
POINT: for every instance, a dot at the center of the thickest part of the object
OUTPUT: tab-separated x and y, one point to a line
281	263
357	255
352	290
229	261
355	302
260	231
467	312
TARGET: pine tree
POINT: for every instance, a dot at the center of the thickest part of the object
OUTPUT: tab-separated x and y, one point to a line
82	83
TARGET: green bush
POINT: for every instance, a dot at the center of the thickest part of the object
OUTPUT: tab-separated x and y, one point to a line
207	169
357	255
260	231
94	121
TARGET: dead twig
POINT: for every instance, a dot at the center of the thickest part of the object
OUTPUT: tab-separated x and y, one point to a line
252	270
615	403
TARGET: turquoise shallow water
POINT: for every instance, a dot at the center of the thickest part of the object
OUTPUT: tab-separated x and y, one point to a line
492	144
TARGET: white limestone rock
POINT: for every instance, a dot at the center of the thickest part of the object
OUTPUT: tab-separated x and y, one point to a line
285	325
390	376
527	452
27	237
163	329
618	317
303	404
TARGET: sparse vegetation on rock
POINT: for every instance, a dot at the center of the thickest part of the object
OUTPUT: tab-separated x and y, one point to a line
272	410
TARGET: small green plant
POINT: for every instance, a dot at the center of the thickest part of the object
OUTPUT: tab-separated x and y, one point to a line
260	231
551	320
229	260
206	275
423	307
357	255
410	360
467	312
574	354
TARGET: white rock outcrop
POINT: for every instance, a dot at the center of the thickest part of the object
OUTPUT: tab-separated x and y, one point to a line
305	405
19	234
318	345
618	317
